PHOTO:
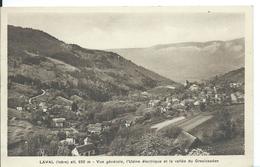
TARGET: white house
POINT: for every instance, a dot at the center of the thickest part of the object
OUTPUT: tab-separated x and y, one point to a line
68	141
196	103
19	109
87	141
194	87
95	128
58	122
84	150
233	98
152	103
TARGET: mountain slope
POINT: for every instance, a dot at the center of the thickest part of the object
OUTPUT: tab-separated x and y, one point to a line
36	58
237	75
190	60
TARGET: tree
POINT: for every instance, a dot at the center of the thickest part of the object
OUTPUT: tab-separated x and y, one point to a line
53	148
198	152
202	107
36	116
118	146
226	127
171	132
36	142
63	151
74	107
61	135
153	145
147	145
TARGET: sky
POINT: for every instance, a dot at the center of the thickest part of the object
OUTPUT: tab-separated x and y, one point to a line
133	30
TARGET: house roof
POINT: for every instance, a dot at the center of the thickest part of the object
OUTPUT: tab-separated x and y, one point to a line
85	148
95	127
185	140
58	120
62	100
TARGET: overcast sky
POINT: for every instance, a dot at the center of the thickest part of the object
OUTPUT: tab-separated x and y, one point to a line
129	30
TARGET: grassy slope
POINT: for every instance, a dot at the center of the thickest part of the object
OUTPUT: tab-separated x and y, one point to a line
34	53
234	146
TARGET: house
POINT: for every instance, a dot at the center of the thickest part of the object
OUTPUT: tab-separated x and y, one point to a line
86	141
42	104
84	150
215	89
240	97
67	108
186	102
70	131
19	109
175	101
237	97
194	87
145	93
196	103
153	103
95	128
128	123
68	141
106	124
78	113
218	98
58	122
163	110
185	141
233	98
235	84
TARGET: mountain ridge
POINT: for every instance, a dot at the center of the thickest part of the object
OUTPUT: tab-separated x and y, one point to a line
48	62
189	60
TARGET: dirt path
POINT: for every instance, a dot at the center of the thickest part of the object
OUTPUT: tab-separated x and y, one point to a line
43	93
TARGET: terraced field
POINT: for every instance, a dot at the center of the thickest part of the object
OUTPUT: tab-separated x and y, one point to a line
186	124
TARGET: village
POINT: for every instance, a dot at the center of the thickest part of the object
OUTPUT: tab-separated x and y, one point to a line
79	132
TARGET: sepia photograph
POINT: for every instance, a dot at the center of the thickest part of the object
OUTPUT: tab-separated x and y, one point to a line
126	83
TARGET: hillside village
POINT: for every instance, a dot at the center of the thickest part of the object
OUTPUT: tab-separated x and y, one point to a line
65	100
79	131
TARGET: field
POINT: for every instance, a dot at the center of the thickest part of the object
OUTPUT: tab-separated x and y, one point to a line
18	131
194	122
15	114
186	123
166	123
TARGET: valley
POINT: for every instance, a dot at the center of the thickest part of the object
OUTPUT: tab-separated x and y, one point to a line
65	100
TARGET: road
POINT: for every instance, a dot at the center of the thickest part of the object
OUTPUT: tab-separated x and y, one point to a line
43	93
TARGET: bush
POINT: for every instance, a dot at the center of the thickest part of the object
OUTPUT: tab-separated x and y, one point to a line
171	132
198	152
226	127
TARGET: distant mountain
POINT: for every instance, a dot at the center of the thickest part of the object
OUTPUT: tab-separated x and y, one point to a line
190	60
36	58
